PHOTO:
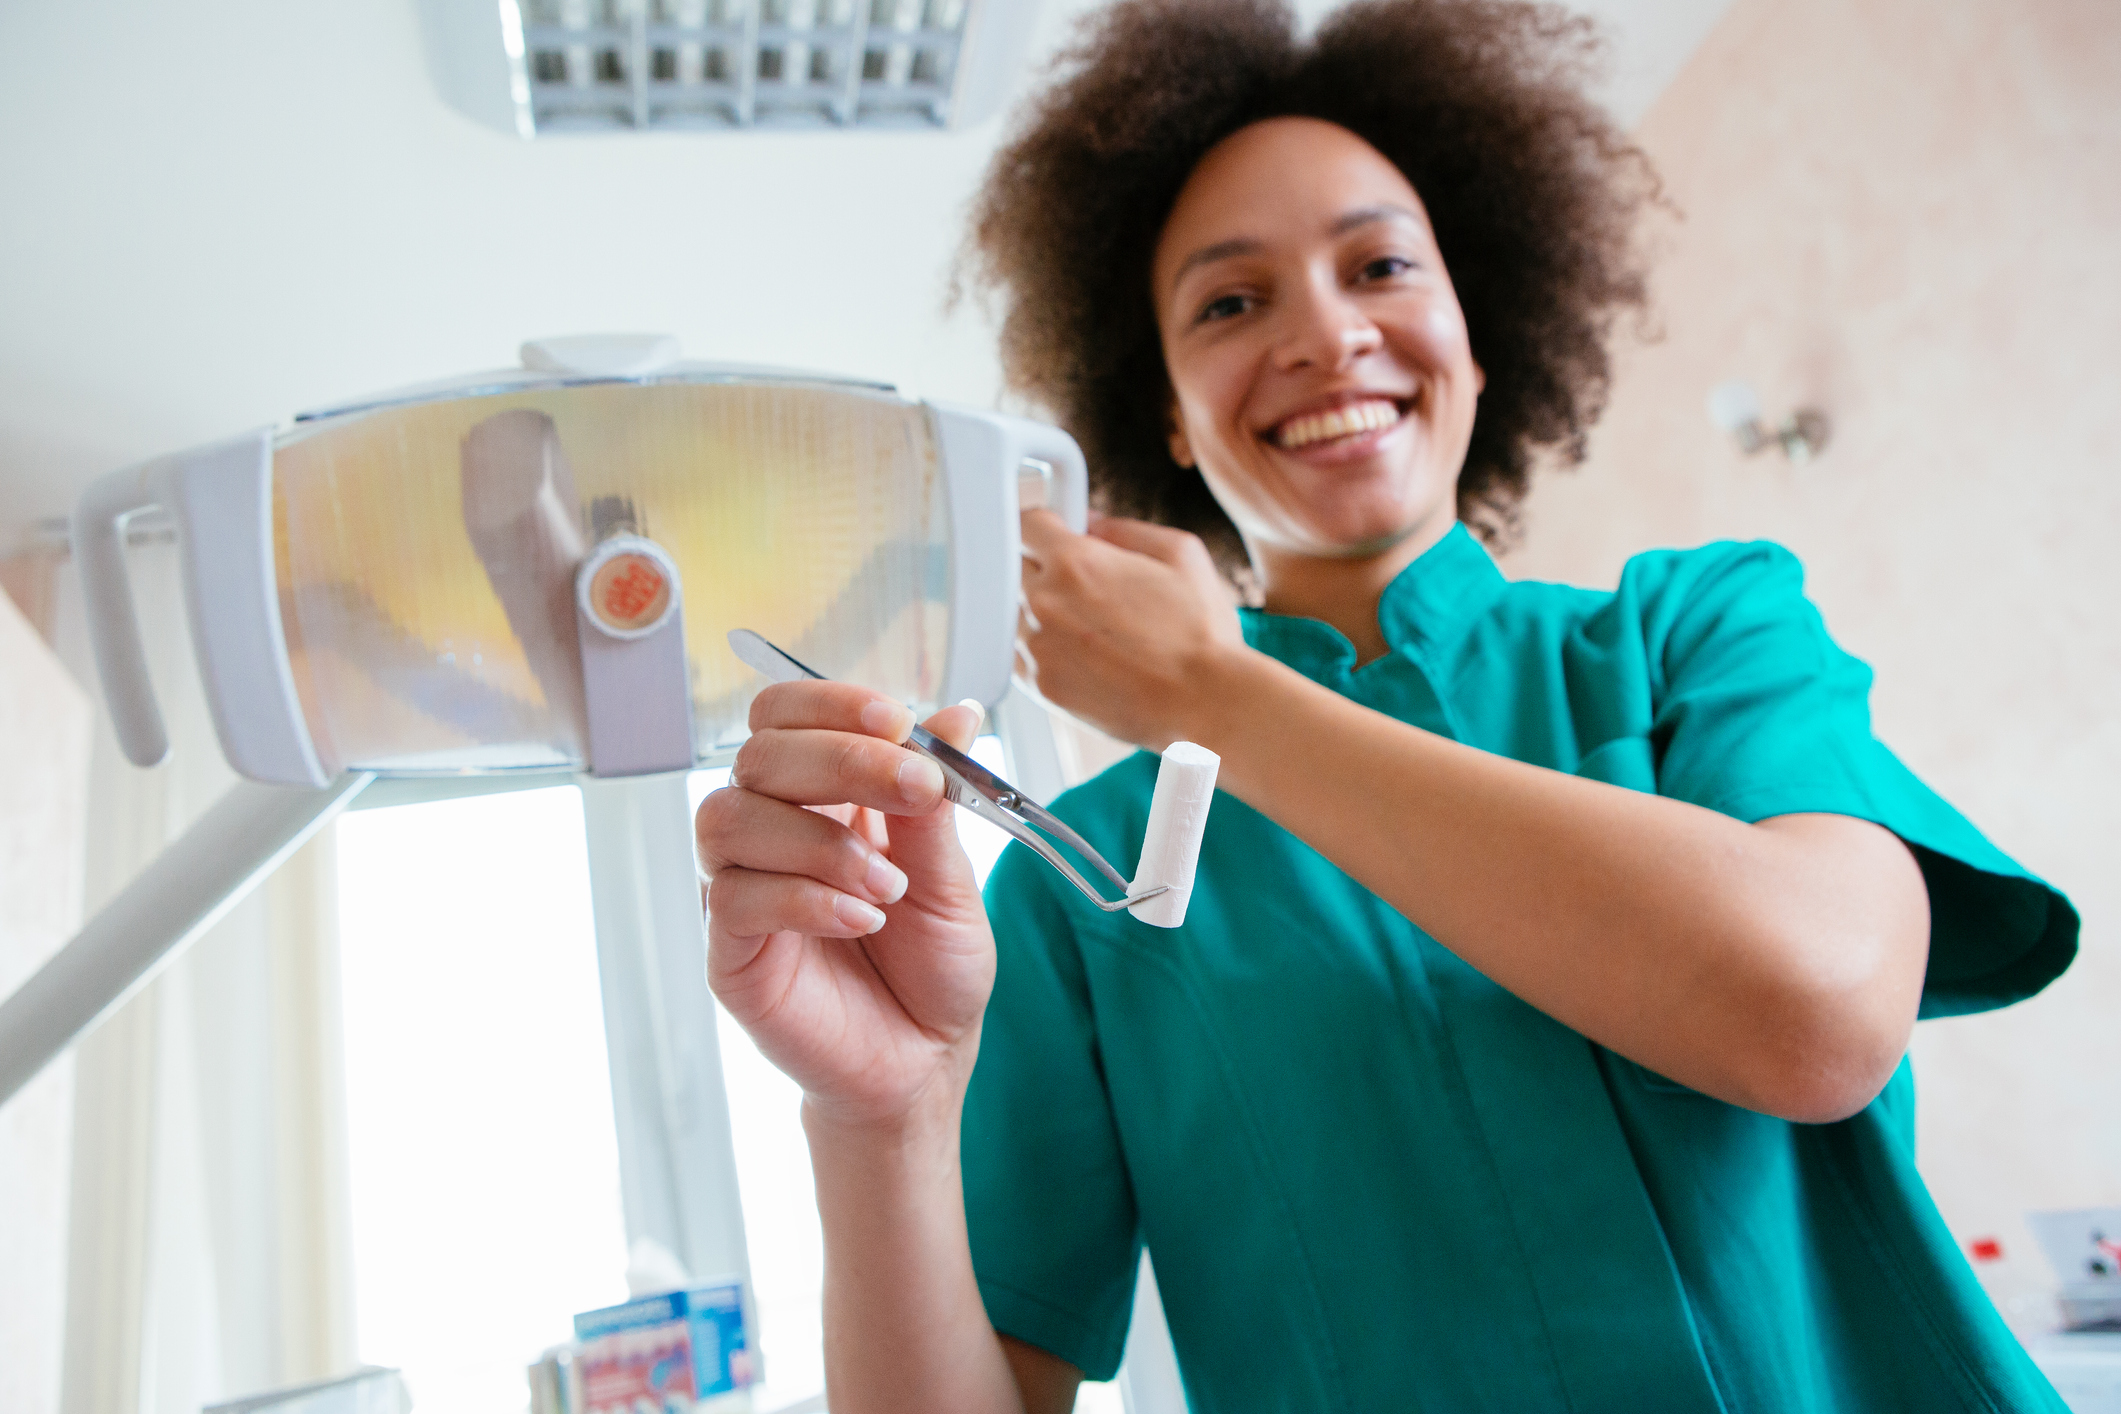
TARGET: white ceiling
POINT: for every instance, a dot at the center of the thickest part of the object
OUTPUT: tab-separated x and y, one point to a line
218	215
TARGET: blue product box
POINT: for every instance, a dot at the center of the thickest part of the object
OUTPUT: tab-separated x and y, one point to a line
712	1319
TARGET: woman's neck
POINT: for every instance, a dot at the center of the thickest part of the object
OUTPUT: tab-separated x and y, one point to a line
1340	592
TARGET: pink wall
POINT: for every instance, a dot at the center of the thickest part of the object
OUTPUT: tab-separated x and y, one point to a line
1908	213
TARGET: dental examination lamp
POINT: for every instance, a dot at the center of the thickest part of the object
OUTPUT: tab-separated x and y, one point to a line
534	571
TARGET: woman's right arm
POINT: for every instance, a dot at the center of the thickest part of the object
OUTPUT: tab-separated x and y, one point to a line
826	824
904	1325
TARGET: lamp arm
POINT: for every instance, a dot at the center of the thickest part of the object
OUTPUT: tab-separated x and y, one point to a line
200	876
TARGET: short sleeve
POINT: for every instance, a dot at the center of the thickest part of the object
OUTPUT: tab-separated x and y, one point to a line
1758	713
1055	1238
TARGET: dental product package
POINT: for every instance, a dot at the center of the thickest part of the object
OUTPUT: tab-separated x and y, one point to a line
2084	1247
555	1382
674	1353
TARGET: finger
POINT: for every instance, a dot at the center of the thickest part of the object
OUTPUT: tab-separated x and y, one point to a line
747	903
1162	542
728	956
843	812
739	830
831	706
1054	555
958	725
872	826
805	766
1044	533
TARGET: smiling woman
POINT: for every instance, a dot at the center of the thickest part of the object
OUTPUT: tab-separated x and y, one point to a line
1535	1036
1527	193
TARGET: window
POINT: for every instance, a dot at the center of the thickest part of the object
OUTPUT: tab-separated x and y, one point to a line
484	1161
484	1167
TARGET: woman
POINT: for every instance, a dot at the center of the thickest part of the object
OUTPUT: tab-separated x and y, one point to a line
1535	1037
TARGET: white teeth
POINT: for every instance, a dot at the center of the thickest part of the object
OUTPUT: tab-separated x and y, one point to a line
1337	422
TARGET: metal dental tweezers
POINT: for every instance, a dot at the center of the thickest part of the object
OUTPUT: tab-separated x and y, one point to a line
969	784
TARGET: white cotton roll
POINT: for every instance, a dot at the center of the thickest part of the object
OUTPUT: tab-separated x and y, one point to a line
1178	816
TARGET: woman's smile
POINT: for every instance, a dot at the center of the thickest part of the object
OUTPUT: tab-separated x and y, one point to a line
1355	424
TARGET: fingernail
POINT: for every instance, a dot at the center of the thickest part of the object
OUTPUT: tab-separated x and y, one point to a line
920	780
886	880
887	719
979	709
856	914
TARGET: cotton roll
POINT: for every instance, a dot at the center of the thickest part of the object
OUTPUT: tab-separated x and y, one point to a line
1178	817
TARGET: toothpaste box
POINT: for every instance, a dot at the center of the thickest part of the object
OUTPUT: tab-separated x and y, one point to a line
663	1354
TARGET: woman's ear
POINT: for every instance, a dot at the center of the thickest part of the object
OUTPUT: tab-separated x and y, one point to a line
1181	446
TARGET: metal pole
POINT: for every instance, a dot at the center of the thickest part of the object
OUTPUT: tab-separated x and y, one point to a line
677	1160
201	875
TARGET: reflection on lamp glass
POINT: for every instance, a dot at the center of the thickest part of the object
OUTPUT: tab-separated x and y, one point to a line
1734	407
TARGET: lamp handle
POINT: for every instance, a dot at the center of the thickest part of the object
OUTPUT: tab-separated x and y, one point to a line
984	454
113	623
221	499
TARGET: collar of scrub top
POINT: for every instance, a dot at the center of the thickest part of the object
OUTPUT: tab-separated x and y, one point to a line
968	784
1426	611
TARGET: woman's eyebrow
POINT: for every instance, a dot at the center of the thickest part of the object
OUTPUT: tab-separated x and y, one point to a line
1364	215
1209	254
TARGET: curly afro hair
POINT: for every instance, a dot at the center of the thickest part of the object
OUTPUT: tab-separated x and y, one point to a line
1532	192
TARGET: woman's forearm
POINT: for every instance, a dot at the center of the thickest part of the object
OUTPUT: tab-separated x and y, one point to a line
1775	965
905	1329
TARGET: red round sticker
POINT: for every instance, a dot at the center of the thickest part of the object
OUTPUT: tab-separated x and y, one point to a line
629	592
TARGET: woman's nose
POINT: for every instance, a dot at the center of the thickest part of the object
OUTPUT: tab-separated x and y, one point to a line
1326	329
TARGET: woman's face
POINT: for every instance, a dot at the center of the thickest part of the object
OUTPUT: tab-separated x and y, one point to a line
1323	381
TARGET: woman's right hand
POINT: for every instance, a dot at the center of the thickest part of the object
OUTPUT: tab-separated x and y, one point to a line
845	929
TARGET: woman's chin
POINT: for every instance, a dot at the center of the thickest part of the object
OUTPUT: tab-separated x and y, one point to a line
1350	521
1373	546
1371	536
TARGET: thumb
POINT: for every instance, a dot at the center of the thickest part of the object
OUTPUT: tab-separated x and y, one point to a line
927	846
958	725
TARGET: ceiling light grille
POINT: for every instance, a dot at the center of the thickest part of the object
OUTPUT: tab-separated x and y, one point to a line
640	65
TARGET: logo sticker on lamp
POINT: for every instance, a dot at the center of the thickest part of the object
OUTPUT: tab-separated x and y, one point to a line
628	587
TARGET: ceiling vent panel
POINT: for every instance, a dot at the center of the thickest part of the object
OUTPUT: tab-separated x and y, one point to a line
543	67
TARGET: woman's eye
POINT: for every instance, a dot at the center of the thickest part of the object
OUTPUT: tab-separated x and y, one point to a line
1385	267
1228	307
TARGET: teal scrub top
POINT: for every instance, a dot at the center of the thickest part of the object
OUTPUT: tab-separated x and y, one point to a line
1372	1179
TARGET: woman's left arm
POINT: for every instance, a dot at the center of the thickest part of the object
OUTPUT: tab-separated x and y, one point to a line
1775	965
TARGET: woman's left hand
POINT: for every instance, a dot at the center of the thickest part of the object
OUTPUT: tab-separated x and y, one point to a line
1122	623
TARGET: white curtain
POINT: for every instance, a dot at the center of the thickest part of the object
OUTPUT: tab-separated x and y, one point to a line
44	736
208	1238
